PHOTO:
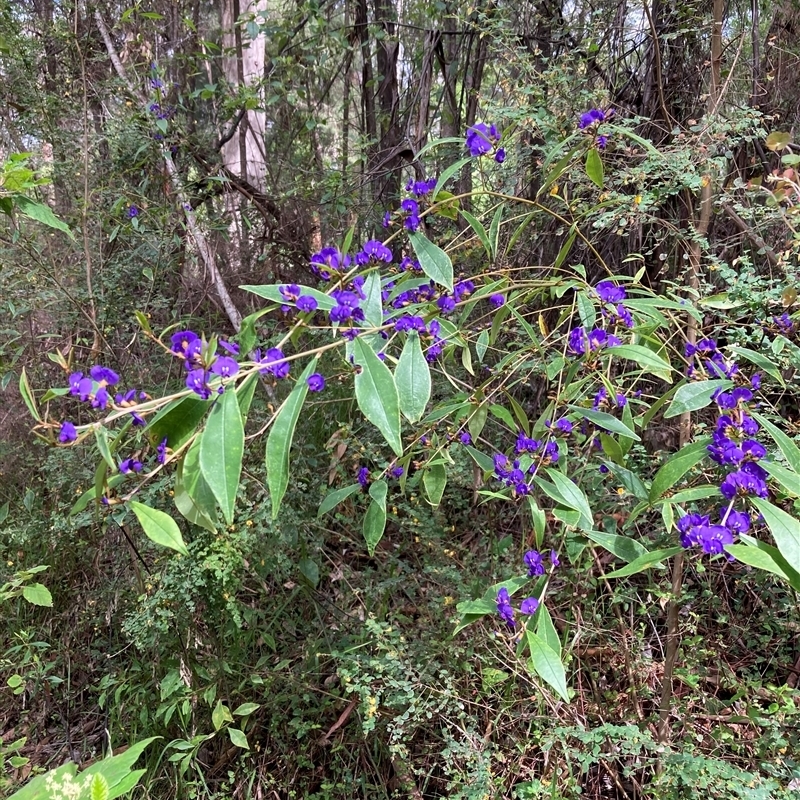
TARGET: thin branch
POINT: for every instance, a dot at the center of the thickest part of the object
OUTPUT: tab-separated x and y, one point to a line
203	247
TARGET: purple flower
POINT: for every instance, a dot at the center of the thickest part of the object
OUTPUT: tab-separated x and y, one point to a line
755	382
529	605
316	382
624	316
396	472
743	483
374	250
306	303
197	381
225	367
130	465
602	141
564	425
609	292
421	188
592	116
363	476
497	300
327	262
525	444
409	323
577	340
534	562
100	399
551	454
446	304
290	292
229	347
161	451
104	375
387	219
735	521
465	438
554	559
504	607
600	398
181	341
481	139
500	155
273	362
67	433
133	211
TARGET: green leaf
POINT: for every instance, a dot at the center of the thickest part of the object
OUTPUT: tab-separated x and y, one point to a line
27	395
279	442
220	715
694	396
485	462
434	261
787	446
191	478
177	421
594	167
434	479
310	571
244	392
334	498
447	174
273	293
644	562
586	310
494	232
787	478
98	788
373	305
375	518
477	226
546	631
676	466
41	213
103	447
762	559
546	663
572	497
695	493
413	379
630	480
4	512
645	358
760	361
238	738
607	421
481	345
186	505
159	527
622	547
221	451
785	530
376	394
245	709
37	594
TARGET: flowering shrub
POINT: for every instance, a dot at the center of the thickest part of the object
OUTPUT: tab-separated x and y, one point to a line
398	314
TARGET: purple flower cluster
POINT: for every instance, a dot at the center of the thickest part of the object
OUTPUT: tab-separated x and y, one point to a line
92	387
329	262
291	293
534	561
580	342
593	117
732	446
410	209
483	140
514	473
705	360
374	251
611	294
421	188
201	364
